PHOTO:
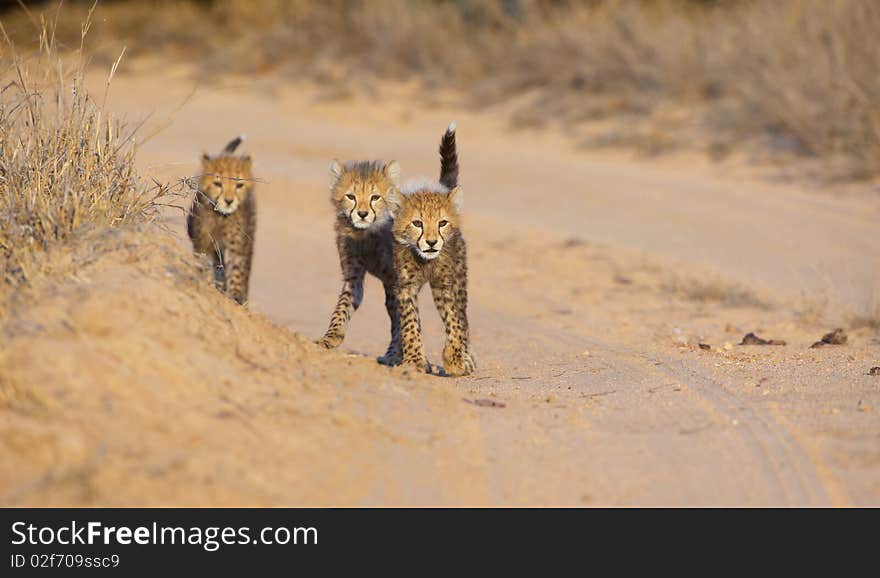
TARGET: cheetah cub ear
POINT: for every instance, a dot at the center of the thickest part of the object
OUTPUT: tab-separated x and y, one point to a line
393	201
335	173
456	198
392	171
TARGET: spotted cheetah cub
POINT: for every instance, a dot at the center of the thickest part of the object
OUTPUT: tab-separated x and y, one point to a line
222	219
429	248
363	237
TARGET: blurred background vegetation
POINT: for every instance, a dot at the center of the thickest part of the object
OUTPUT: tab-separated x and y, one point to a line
803	75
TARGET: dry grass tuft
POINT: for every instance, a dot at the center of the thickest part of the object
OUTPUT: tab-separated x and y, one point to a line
869	318
65	164
715	291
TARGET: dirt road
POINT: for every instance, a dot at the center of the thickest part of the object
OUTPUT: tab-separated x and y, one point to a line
595	278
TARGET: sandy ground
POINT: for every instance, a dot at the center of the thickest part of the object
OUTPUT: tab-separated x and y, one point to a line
595	277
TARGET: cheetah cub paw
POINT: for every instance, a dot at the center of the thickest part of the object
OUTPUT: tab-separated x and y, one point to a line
392	357
417	363
330	341
458	362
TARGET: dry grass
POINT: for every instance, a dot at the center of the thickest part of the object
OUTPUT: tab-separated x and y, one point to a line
717	291
869	317
65	164
798	76
813	73
804	73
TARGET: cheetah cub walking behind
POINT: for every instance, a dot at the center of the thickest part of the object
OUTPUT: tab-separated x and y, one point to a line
429	248
222	219
363	237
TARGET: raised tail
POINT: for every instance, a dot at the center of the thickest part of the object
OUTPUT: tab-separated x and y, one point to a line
233	144
448	158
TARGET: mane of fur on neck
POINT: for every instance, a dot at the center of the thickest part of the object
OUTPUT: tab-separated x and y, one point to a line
422	184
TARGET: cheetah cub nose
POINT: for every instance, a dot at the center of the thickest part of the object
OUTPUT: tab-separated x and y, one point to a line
363	214
431	243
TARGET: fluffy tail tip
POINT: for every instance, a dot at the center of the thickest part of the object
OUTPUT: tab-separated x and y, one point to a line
233	144
451	127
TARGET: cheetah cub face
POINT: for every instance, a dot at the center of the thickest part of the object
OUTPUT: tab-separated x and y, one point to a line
226	181
359	191
426	218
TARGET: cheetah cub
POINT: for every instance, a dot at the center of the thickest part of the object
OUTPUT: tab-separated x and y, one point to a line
222	219
429	248
363	237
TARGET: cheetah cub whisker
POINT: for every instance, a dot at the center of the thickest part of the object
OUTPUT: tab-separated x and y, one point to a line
363	237
429	248
222	219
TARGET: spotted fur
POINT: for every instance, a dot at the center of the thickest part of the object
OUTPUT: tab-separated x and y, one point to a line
222	219
429	248
363	237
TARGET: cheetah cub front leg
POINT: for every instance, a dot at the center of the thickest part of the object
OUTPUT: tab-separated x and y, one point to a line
411	330
237	269
349	300
451	303
236	277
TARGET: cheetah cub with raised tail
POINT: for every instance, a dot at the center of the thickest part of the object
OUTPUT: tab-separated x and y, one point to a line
429	248
223	218
363	237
